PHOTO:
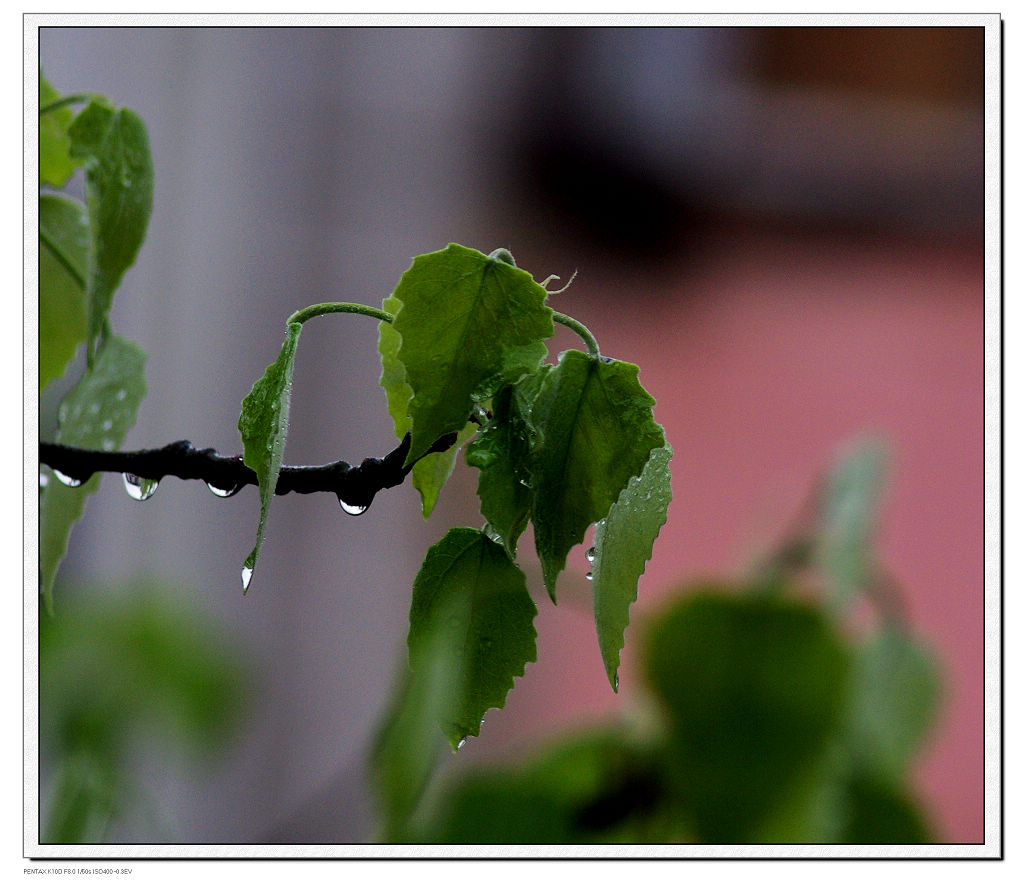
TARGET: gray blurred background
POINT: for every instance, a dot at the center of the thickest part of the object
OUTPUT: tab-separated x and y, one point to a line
302	165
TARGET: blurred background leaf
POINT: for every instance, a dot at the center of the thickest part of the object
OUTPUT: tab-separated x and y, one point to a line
112	670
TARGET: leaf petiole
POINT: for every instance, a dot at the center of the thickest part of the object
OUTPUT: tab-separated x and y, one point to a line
581	330
315	310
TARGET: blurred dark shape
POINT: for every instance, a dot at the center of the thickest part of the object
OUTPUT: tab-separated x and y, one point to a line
639	140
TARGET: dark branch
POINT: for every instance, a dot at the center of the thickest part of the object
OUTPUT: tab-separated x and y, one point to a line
354	484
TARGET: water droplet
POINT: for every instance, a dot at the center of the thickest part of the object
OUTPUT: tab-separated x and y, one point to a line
138	487
246	577
460	744
591	554
122	393
222	493
353	509
590	576
108	424
615	682
44	480
69	481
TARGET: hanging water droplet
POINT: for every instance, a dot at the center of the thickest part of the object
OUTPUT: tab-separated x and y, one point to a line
615	682
138	487
69	481
222	493
246	577
460	744
353	509
590	576
591	554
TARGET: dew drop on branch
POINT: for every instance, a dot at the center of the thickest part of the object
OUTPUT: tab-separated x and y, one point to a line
69	481
138	487
222	492
352	509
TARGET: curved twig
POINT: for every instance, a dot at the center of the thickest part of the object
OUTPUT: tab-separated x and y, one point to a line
355	484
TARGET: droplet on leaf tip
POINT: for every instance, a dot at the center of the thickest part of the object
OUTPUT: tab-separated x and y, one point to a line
246	577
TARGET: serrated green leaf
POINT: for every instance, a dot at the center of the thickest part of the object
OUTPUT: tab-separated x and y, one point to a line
468	324
56	165
470	629
893	700
63	263
119	188
96	414
431	472
263	424
623	542
596	431
754	689
501	452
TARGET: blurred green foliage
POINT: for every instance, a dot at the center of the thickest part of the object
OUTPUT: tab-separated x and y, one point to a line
111	672
769	718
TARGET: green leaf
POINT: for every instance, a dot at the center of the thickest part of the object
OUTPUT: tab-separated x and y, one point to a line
63	263
853	489
468	324
405	753
589	788
470	629
56	165
596	431
96	414
431	472
501	451
753	688
119	187
623	542
263	425
893	701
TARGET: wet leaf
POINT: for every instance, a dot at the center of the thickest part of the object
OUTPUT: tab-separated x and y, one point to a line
470	629
501	451
467	325
596	431
63	263
263	425
431	472
623	542
119	186
96	414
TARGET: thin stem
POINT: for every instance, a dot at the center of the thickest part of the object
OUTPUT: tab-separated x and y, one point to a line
315	310
77	98
580	330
